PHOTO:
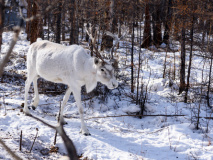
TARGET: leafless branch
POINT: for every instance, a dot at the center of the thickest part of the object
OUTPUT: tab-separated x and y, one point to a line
67	141
10	151
17	30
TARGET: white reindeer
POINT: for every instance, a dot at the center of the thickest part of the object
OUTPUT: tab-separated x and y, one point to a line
70	65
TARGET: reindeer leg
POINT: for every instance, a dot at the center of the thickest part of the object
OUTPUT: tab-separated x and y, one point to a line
36	96
65	99
27	87
77	96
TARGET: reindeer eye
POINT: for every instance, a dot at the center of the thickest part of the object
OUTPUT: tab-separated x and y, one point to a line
102	70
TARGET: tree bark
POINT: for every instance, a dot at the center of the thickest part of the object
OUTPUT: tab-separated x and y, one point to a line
157	35
73	31
63	24
29	14
58	22
34	24
183	54
168	23
1	20
147	28
107	41
132	60
190	58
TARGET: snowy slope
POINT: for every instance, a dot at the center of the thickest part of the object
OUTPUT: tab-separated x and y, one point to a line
116	138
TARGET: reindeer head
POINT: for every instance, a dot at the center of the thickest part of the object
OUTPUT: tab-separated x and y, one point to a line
105	69
105	73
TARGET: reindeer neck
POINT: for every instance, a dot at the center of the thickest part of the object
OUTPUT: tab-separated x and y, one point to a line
90	75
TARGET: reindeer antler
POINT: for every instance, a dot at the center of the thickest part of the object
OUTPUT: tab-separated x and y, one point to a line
93	39
116	38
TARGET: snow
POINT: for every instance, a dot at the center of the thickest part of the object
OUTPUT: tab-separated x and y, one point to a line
114	138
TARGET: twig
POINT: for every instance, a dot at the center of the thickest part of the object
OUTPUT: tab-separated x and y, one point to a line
34	140
20	144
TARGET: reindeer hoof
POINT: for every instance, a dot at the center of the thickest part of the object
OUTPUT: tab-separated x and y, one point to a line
33	107
63	122
26	111
85	133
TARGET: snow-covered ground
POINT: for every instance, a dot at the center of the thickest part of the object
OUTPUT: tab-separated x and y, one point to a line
120	138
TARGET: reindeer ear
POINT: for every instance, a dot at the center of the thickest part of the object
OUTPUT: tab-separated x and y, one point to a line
113	62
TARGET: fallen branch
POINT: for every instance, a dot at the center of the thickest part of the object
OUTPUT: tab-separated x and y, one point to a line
140	115
131	115
67	141
10	151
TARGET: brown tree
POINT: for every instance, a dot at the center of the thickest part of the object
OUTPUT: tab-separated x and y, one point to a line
168	22
107	41
34	23
147	28
58	22
156	16
73	22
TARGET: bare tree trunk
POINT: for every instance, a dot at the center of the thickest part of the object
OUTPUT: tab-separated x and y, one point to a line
107	41
157	35
73	32
132	60
29	14
63	24
40	20
34	24
190	58
168	23
139	67
1	20
183	54
58	22
209	83
72	20
182	65
210	70
147	28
